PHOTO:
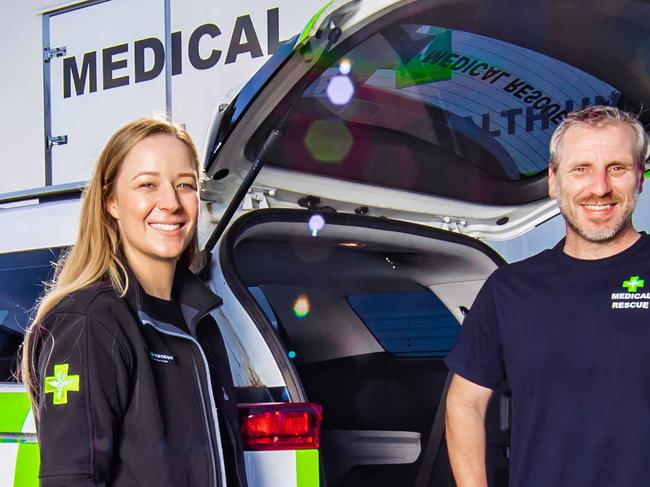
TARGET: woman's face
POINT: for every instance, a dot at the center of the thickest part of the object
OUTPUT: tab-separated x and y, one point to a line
155	200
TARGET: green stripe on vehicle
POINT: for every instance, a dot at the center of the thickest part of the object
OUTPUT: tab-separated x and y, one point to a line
312	21
27	465
14	408
307	468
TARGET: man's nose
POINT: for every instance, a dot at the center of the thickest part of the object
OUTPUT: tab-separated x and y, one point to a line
168	198
600	184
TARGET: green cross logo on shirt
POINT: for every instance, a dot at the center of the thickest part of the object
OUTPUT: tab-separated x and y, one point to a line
633	283
60	384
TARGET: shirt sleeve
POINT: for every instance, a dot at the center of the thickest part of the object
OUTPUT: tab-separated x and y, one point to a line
478	355
83	377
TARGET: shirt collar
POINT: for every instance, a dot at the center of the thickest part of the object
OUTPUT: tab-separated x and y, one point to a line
187	290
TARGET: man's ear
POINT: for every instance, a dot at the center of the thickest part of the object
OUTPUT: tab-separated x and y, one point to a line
551	182
641	179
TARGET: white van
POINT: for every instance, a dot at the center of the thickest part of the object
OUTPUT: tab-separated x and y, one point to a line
351	183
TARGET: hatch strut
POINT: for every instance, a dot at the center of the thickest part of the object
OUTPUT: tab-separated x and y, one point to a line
201	262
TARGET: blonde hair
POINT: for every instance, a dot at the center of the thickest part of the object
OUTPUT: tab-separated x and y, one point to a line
599	116
94	254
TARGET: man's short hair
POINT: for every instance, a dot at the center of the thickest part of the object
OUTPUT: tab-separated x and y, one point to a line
599	116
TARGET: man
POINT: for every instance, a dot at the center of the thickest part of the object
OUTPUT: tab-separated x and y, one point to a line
569	328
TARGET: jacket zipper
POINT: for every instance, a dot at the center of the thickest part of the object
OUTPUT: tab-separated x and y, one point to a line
213	407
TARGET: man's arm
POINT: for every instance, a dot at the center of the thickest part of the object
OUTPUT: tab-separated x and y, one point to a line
465	430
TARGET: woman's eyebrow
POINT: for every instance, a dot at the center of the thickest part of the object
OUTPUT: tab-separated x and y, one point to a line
146	173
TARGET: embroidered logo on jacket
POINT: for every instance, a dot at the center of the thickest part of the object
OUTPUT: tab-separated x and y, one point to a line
163	358
61	383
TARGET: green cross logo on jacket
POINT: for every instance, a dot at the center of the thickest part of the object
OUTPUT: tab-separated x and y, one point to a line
61	383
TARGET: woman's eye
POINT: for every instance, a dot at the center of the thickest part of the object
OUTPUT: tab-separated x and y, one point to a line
146	185
187	185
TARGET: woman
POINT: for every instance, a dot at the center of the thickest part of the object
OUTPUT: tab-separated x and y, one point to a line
127	371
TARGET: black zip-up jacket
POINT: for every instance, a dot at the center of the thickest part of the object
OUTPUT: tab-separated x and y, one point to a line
128	400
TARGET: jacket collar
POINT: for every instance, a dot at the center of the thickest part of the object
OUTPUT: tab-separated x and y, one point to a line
193	295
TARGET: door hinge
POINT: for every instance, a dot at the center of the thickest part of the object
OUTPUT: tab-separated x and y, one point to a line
453	224
257	199
51	52
56	140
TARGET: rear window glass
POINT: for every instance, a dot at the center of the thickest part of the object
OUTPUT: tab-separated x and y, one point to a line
21	284
410	323
436	110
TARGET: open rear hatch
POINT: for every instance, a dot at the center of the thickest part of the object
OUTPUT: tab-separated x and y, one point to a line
433	112
430	112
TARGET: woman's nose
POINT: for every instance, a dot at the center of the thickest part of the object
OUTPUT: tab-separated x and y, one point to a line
168	199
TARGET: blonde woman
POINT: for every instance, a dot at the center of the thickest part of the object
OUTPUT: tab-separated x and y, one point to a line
127	371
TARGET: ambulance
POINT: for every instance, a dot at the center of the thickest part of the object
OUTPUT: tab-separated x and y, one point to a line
351	186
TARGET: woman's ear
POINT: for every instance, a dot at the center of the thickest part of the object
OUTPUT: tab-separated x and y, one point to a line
111	207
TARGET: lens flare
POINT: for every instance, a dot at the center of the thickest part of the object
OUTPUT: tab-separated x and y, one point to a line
291	354
316	224
345	67
301	306
340	90
328	140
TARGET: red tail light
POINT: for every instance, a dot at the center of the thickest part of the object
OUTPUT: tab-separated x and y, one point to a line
280	426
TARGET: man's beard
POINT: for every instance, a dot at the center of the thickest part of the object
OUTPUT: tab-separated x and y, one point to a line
600	235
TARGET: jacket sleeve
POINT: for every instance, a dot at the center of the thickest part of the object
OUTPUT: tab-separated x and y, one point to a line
83	375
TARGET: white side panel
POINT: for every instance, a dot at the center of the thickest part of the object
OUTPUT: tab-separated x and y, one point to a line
8	455
271	468
39	225
105	35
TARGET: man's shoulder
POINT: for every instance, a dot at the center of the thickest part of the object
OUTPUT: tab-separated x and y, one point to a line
530	266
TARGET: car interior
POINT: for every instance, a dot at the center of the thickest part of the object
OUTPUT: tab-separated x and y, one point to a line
367	309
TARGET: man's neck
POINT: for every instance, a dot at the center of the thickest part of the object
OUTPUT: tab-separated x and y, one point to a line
155	276
576	246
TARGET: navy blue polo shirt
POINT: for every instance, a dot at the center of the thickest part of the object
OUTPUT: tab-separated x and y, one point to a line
572	337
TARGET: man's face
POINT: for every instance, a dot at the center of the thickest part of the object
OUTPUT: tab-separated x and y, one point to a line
598	181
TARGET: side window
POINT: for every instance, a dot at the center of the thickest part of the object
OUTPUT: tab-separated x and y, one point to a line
22	275
408	323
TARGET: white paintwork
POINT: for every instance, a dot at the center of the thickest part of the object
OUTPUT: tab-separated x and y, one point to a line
29	426
271	468
37	226
8	456
472	219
